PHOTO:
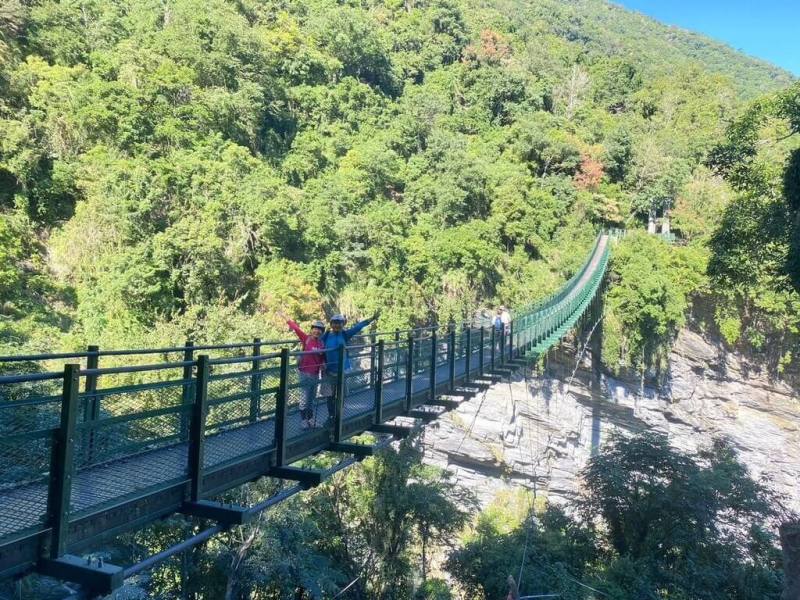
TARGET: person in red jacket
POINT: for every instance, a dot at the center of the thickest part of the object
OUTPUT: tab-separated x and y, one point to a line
311	367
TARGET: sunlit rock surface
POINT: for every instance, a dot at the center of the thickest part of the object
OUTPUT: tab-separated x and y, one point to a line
539	430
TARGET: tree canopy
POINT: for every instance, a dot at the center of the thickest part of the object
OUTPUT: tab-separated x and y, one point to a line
181	169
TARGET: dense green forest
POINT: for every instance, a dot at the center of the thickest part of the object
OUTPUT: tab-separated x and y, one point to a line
180	169
175	169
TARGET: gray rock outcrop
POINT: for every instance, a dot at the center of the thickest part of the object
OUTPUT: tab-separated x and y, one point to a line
539	430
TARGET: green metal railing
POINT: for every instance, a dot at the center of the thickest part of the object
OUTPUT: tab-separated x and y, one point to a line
78	442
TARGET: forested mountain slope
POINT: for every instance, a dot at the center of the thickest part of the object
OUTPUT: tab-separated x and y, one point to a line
180	169
605	29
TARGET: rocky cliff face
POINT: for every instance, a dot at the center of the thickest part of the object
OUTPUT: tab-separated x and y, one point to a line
538	430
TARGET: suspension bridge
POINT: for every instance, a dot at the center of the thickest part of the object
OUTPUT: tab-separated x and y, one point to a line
97	443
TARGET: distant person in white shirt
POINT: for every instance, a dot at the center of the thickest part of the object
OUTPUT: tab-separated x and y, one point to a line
505	318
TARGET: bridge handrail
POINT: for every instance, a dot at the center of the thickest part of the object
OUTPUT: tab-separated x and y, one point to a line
118	422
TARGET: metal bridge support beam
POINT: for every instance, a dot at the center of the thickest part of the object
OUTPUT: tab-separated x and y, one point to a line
409	371
372	348
432	373
502	347
379	384
396	355
62	465
197	433
493	343
281	402
468	354
186	394
91	409
596	322
481	357
340	391
99	578
451	358
255	383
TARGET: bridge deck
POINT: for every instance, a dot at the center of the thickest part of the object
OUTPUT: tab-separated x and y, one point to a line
25	507
132	456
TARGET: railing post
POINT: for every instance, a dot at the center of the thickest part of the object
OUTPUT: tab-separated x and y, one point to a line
186	393
451	358
492	337
409	371
468	355
281	401
91	408
511	340
480	355
503	346
379	385
397	355
255	383
340	389
62	456
197	433
432	372
372	348
418	351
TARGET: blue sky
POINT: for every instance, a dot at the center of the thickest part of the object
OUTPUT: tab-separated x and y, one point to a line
768	29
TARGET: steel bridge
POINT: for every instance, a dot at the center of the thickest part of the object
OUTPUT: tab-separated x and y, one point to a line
91	450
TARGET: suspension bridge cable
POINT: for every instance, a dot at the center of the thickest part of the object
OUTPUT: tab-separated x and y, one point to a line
549	566
347	587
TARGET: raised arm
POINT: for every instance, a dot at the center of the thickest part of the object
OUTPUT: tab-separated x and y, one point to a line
355	329
296	328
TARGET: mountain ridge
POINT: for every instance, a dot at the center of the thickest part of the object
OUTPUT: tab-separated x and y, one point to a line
752	75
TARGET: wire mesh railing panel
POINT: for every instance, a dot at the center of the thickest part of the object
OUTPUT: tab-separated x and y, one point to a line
129	394
301	402
359	397
23	483
230	399
268	383
461	343
29	406
132	442
30	412
363	359
111	439
394	363
241	407
422	355
442	350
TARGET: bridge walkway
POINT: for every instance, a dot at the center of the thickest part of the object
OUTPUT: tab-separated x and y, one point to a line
89	452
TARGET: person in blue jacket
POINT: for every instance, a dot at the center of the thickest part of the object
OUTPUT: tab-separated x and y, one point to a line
334	340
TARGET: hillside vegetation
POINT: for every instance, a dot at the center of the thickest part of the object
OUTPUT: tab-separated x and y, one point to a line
175	169
181	169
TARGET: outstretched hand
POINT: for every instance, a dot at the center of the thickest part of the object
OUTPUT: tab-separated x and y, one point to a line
376	316
281	315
